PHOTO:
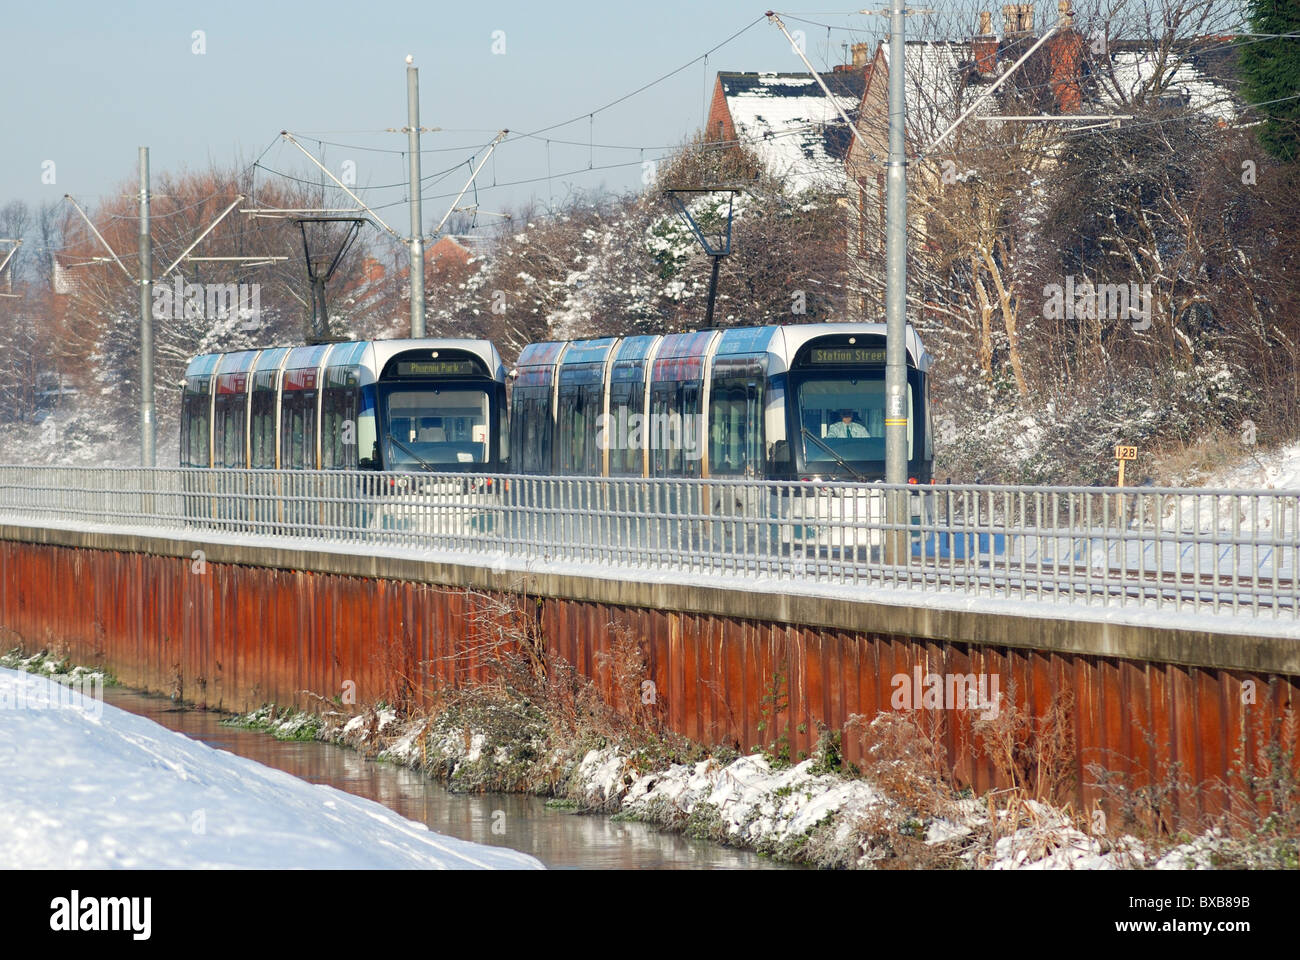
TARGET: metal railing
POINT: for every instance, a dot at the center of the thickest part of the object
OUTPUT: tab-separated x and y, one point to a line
1200	551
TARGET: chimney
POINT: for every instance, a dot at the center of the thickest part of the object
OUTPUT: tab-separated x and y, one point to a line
1017	18
861	55
985	45
1065	53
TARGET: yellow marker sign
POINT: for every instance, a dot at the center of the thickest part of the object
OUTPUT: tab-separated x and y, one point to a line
1124	454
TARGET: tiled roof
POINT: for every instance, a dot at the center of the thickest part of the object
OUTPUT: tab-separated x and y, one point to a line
935	73
1201	80
788	120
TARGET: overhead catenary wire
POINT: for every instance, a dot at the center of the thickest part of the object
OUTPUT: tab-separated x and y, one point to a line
587	114
1229	40
591	144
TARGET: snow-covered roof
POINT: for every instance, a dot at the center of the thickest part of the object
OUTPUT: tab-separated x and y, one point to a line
934	74
794	127
65	281
1190	78
938	72
475	243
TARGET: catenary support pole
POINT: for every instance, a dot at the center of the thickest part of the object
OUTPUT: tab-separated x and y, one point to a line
896	415
148	457
896	412
417	228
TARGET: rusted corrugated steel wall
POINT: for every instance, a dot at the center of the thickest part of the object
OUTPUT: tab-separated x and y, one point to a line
235	637
717	679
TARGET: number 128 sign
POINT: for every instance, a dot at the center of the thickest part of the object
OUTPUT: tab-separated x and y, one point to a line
1126	453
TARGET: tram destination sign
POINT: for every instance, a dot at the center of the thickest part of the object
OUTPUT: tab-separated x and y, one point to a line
436	368
847	355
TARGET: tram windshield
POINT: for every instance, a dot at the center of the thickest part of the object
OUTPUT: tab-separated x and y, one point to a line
443	427
844	418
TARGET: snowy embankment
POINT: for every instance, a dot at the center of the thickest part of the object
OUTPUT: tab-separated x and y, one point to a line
86	785
1275	469
749	803
799	812
1255	534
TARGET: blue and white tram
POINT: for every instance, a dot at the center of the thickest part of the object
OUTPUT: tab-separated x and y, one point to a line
397	405
405	407
802	402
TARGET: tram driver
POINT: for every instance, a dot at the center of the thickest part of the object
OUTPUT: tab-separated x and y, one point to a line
848	427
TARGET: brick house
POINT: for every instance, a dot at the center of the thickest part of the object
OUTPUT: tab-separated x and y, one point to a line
943	77
452	253
787	119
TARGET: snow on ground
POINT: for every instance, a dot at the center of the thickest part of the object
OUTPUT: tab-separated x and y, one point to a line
790	811
1271	518
1277	469
1047	840
757	805
86	785
760	807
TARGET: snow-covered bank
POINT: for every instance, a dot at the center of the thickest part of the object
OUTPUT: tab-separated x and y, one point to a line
86	785
804	812
1275	469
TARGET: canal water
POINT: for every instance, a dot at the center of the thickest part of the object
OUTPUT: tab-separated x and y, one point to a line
559	838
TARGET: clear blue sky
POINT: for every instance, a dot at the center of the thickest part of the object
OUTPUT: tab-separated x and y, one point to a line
91	81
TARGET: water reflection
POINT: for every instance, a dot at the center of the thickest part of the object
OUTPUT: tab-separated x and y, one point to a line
558	838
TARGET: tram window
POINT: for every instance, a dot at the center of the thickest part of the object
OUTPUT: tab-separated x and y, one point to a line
309	433
219	434
736	426
263	428
298	430
441	426
846	415
197	413
925	421
296	439
339	440
578	414
623	433
185	432
329	435
200	433
234	445
367	439
542	430
673	433
330	431
229	430
531	422
503	434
